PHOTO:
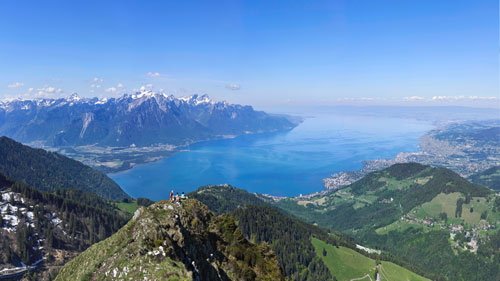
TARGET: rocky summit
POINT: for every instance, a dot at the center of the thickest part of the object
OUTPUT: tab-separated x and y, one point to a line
175	241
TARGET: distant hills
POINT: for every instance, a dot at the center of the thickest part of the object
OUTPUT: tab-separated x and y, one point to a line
142	119
49	171
489	178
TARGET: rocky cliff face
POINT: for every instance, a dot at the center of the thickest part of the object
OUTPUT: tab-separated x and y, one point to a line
170	241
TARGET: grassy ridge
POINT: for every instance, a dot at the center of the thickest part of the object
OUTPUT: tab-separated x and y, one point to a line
155	245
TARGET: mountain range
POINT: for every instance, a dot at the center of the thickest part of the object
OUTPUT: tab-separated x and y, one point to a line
141	119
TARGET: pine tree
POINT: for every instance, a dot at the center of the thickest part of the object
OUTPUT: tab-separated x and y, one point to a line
102	232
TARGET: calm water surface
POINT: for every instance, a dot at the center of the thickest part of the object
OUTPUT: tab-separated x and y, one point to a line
285	164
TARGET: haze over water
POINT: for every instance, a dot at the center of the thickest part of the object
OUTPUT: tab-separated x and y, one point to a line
284	164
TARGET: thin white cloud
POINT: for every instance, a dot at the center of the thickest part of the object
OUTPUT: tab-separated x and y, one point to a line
120	86
48	89
146	87
97	80
233	86
414	98
447	98
16	85
357	99
111	90
459	98
154	74
45	91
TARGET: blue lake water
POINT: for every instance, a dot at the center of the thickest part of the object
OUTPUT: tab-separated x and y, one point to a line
285	164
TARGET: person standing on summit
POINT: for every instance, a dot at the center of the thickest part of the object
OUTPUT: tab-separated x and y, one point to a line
171	195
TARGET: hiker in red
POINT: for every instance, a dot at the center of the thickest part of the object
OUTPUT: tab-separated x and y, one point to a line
171	195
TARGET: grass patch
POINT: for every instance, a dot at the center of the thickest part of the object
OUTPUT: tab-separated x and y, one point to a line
478	207
347	264
447	203
397	226
128	207
442	203
367	198
390	271
344	263
395	184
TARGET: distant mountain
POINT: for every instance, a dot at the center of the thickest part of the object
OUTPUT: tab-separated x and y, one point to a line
45	230
489	178
141	119
429	217
49	171
155	245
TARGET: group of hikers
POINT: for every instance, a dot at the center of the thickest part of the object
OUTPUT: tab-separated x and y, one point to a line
177	198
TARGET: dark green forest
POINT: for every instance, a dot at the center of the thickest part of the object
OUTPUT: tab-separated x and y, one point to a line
223	199
49	171
86	220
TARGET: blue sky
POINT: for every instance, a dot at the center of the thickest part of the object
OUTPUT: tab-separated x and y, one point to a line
254	52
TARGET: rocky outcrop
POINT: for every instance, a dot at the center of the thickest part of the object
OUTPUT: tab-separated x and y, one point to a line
175	241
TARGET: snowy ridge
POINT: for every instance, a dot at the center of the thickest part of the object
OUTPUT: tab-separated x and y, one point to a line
74	98
144	118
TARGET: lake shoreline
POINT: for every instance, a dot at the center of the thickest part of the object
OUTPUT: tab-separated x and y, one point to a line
282	164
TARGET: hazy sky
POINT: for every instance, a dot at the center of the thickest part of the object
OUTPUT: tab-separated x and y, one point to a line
254	52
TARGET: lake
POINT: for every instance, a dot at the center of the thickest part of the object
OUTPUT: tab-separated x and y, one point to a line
283	164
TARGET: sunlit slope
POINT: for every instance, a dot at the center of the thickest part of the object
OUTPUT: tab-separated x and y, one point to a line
155	245
347	264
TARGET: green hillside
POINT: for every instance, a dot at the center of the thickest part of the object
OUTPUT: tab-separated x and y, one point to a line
288	237
382	197
398	208
154	245
489	178
49	171
222	199
347	264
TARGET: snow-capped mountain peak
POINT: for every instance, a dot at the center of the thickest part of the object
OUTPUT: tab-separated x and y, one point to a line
144	118
74	97
197	99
